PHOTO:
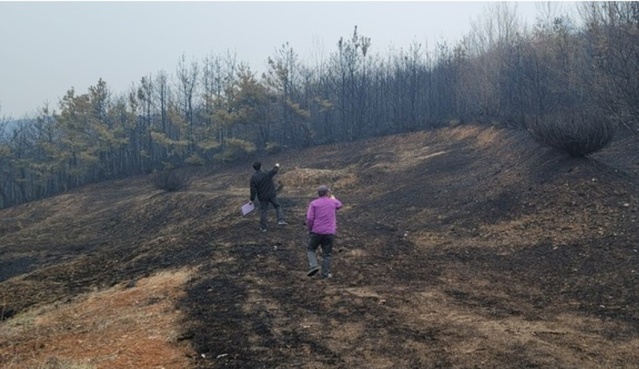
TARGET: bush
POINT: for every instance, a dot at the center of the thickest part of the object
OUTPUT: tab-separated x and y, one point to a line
168	181
194	159
273	148
235	149
578	136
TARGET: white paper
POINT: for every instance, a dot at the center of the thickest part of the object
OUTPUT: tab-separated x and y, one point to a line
247	208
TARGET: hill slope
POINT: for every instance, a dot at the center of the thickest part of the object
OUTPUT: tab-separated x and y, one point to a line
458	248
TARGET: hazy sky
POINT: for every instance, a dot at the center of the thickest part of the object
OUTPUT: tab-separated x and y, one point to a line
48	47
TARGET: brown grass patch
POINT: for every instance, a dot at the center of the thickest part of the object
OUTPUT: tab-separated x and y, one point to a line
117	328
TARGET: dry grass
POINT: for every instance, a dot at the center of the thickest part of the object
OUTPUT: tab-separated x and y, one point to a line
120	327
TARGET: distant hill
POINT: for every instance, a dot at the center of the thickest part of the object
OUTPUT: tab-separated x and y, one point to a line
457	248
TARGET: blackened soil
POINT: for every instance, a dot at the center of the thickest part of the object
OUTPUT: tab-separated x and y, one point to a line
460	248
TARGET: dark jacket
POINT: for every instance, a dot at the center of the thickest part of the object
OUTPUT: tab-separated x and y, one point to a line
262	185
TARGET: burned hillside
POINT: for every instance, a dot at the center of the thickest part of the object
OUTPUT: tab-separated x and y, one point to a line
461	247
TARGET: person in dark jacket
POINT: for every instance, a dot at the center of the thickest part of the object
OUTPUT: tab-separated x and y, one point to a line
263	187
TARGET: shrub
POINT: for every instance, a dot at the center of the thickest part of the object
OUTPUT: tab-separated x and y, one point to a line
577	135
236	148
273	148
194	159
454	123
168	181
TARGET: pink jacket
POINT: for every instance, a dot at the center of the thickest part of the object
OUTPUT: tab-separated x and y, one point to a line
321	217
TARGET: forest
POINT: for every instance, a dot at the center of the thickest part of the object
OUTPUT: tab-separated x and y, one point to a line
571	81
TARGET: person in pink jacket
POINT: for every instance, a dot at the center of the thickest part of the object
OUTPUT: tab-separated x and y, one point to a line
321	220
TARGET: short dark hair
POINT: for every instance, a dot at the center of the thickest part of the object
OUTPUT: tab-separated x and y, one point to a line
323	190
257	165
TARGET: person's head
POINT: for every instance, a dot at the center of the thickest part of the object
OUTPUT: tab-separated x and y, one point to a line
257	165
323	190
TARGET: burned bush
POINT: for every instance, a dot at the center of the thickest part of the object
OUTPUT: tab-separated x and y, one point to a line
577	135
169	181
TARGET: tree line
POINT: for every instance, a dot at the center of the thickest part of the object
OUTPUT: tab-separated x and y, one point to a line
571	86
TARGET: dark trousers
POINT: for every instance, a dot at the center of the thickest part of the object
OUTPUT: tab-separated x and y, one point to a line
264	210
326	241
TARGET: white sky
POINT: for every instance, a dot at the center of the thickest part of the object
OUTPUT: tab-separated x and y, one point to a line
48	47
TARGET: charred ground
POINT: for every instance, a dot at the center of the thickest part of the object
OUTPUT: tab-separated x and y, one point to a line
457	248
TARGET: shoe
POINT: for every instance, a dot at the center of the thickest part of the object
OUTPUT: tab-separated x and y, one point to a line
282	222
313	271
263	229
328	276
